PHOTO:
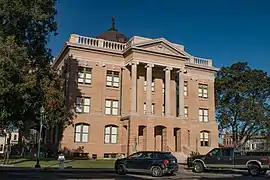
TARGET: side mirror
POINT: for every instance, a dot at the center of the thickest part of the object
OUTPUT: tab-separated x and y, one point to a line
209	154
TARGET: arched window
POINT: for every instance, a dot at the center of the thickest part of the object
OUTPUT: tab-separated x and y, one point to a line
204	138
81	133
110	134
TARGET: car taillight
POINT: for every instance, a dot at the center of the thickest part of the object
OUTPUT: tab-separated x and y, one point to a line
266	159
165	162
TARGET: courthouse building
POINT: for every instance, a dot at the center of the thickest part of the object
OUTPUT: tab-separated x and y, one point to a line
137	93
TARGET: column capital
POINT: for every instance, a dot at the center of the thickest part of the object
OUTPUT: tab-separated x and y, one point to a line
182	71
168	68
134	63
149	65
100	64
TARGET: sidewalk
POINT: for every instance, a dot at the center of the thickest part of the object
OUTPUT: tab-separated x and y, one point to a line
53	169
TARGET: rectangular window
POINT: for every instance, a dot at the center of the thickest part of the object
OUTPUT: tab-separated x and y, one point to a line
163	87
204	136
163	110
145	85
110	155
83	104
111	107
112	79
152	108
111	135
144	108
84	75
203	91
188	138
203	115
186	112
81	133
1	147
185	88
152	86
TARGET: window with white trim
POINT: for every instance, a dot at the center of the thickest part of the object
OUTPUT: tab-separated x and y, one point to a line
188	138
203	115
203	91
111	107
152	86
112	79
110	134
186	112
204	138
81	133
152	108
163	110
163	87
84	75
83	104
185	88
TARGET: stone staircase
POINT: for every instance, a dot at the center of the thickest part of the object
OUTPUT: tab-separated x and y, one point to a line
181	156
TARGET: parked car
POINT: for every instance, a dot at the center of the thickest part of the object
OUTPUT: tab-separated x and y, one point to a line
153	162
231	158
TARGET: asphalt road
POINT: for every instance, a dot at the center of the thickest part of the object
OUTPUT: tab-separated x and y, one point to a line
31	174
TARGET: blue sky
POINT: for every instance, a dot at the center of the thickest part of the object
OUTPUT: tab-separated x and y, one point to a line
225	31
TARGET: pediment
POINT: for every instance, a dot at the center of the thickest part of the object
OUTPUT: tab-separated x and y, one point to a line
161	46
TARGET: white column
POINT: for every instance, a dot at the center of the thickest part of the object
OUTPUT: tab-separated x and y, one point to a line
181	93
149	88
168	91
134	87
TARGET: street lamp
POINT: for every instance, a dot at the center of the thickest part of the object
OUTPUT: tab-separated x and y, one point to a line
42	110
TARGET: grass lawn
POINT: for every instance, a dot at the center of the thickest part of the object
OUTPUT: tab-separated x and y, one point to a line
50	163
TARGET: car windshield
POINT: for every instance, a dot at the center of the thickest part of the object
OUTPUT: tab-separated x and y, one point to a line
135	155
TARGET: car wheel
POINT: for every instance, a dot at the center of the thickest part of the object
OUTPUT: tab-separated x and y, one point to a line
198	167
254	170
120	169
263	171
156	171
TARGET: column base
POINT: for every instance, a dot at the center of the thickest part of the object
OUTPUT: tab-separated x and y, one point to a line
182	117
169	116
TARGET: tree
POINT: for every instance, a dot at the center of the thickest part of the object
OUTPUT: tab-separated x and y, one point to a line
27	80
242	101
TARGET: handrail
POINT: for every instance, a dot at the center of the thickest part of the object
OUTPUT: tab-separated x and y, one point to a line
186	150
169	149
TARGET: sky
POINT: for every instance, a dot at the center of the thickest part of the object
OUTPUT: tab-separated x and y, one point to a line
226	31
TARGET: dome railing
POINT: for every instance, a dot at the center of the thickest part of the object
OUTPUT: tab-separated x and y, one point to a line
94	42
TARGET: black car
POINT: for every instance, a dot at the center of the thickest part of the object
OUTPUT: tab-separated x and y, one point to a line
154	162
231	158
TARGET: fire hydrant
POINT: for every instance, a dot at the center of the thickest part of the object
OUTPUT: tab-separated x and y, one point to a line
61	159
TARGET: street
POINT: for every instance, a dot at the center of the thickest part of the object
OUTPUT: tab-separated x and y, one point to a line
72	174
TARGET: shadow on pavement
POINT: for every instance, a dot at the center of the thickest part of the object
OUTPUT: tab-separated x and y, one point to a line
39	175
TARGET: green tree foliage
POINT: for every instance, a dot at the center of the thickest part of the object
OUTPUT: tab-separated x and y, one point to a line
27	80
242	101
